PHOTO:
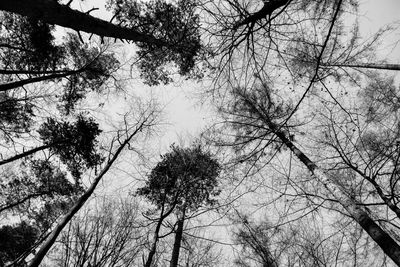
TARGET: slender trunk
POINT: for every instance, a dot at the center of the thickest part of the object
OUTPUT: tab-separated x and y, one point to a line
154	246
12	85
374	66
156	235
25	154
52	12
37	259
178	240
32	72
355	210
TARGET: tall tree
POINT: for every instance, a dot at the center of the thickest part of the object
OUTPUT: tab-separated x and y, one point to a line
146	121
164	32
259	106
185	179
109	234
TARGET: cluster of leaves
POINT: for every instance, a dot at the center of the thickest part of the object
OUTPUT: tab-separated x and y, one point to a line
15	240
185	177
28	45
30	42
94	68
75	143
43	180
15	114
176	24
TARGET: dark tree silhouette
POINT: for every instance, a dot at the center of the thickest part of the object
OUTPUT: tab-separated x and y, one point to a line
185	179
15	240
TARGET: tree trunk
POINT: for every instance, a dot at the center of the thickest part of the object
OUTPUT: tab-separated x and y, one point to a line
25	154
178	240
32	72
37	259
387	243
355	210
52	12
383	66
156	235
12	85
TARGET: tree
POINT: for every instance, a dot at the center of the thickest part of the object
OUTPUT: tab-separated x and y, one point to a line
160	41
31	56
146	121
198	251
303	243
41	183
256	245
260	107
109	234
185	179
293	47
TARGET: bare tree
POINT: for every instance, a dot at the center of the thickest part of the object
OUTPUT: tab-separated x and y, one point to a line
106	233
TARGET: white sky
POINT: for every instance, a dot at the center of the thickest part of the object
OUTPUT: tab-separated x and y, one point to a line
186	118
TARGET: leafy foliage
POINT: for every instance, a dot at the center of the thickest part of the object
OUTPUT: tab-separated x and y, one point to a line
15	240
15	115
184	176
75	143
96	65
31	42
39	190
175	23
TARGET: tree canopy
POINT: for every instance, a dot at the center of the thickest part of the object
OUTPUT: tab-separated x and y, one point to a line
184	177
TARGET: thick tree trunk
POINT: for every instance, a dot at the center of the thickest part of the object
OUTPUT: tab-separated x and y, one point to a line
178	240
52	12
76	207
355	210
